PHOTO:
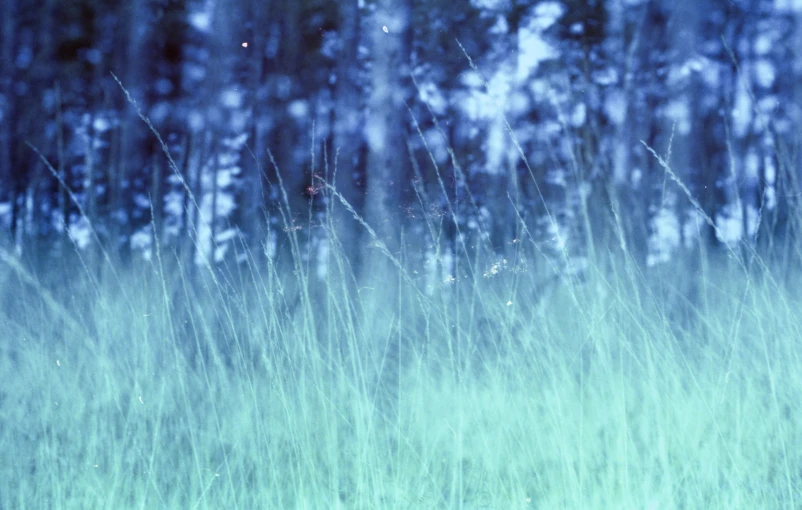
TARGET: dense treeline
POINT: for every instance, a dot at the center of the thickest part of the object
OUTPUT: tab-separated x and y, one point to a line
487	118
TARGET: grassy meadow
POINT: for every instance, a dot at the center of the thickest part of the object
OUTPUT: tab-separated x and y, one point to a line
144	389
259	385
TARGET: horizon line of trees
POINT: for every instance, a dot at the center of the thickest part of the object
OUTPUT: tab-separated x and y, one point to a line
486	121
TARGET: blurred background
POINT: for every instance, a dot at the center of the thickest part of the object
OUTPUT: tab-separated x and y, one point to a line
488	118
400	254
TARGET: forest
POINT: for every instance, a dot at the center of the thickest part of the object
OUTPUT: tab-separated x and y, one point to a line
400	253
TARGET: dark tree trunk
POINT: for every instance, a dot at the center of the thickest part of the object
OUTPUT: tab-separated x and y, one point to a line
387	169
8	192
387	120
255	165
285	137
347	124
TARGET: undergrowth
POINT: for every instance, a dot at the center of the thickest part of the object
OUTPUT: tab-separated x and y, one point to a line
254	385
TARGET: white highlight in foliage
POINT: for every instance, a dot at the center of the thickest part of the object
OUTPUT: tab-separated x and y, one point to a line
201	21
637	177
680	74
763	44
101	125
770	171
195	120
605	77
447	261
751	167
174	203
788	5
80	232
532	48
559	236
770	174
225	204
231	98
298	109
141	241
579	115
5	212
239	120
226	235
471	79
141	201
730	224
693	225
765	74
547	14
489	5
375	134
495	144
159	112
431	95
679	112
741	111
236	143
322	266
615	106
437	145
271	244
666	237
768	106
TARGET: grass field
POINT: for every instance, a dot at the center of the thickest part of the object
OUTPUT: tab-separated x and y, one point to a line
259	385
236	389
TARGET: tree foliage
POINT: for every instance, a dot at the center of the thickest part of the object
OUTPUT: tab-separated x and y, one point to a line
489	118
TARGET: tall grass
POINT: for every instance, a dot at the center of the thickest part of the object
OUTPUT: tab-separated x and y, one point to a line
251	386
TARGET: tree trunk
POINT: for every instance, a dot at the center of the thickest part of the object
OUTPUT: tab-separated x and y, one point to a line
348	119
387	118
8	192
253	167
387	164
